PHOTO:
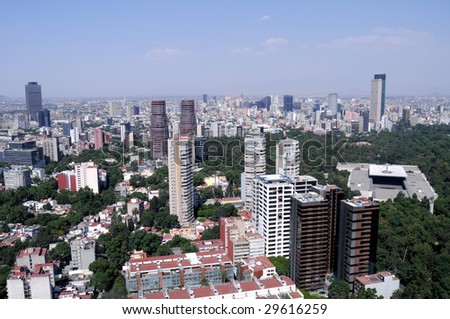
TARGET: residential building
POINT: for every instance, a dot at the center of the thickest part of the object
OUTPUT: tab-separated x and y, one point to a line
332	102
98	139
86	175
82	251
310	242
32	256
255	165
288	158
271	212
144	275
181	187
384	283
159	129
357	238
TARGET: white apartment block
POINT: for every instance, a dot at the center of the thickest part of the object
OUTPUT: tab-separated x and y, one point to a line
272	212
255	165
181	187
288	158
86	175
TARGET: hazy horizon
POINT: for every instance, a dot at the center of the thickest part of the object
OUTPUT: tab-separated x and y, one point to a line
256	48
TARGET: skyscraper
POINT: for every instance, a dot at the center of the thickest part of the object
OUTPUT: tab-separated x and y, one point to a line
98	138
187	118
50	149
33	98
313	241
255	164
43	118
181	187
159	129
86	175
271	212
205	98
288	158
357	240
332	102
288	103
377	98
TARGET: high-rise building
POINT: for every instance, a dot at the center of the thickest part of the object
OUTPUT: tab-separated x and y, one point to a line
200	149
187	118
50	149
333	102
125	129
74	135
357	238
377	98
365	116
406	115
115	108
267	101
33	96
314	233
288	158
181	187
86	175
159	129
67	126
288	103
98	138
255	164
43	118
271	212
310	241
205	98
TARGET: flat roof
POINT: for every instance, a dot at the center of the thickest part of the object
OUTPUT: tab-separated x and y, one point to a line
274	178
387	171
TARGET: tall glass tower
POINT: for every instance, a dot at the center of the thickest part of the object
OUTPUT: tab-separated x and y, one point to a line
33	98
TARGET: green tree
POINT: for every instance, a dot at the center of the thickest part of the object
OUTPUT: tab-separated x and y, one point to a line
62	253
281	264
212	233
339	289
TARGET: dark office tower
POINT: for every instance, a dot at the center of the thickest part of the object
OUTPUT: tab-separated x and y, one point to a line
358	231
44	118
288	103
267	101
135	110
159	129
334	195
365	116
33	98
187	118
205	98
199	149
239	131
309	240
66	128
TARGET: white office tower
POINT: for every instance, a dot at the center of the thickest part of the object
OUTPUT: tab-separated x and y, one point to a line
181	187
86	175
75	135
271	212
255	164
376	102
288	158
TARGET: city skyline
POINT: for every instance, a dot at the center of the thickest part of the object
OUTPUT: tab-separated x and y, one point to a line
226	48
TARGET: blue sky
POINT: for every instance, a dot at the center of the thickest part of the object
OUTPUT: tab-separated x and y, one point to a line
151	48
